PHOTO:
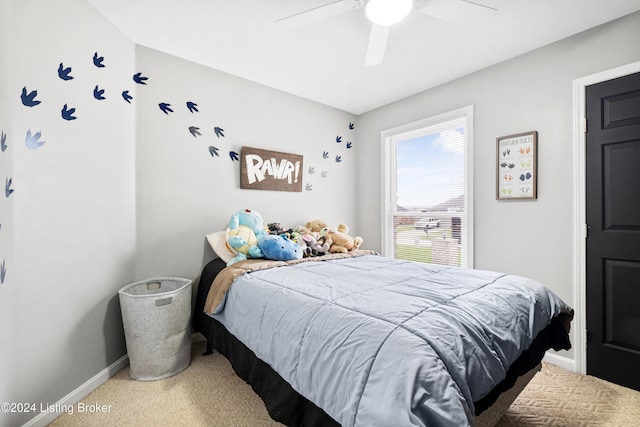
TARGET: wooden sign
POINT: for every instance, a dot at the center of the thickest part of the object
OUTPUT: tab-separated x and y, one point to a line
270	170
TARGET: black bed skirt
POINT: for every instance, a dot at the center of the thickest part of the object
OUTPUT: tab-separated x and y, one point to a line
287	406
283	403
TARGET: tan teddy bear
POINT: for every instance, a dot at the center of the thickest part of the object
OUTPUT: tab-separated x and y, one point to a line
316	225
339	240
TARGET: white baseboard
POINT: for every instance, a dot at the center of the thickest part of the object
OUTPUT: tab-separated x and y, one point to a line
560	361
78	394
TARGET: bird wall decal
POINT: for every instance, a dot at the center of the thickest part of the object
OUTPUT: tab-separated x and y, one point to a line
67	113
29	99
7	187
98	93
3	272
140	79
192	106
33	141
63	72
165	108
97	60
126	96
195	131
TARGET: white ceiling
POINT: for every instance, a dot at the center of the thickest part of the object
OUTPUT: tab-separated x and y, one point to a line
324	61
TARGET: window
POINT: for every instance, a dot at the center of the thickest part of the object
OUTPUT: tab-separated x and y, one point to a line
428	193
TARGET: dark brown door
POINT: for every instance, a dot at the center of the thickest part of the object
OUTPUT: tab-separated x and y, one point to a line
613	218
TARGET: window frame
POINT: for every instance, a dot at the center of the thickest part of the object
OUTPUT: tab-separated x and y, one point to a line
389	204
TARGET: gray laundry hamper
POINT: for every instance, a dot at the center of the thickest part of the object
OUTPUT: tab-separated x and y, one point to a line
156	315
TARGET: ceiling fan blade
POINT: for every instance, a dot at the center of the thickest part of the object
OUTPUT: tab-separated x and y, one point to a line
377	44
458	11
319	13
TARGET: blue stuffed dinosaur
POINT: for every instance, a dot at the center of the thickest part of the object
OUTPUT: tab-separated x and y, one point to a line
279	248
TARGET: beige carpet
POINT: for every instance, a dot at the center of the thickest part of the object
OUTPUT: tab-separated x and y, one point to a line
559	398
208	393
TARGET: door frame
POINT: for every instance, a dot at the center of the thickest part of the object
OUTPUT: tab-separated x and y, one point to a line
579	190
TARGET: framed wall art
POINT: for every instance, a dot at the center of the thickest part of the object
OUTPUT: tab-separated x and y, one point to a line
516	166
270	170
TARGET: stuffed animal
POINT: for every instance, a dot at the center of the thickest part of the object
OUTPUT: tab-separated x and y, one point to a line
308	244
242	235
301	229
306	251
275	228
315	246
243	242
339	240
250	218
311	242
279	248
316	225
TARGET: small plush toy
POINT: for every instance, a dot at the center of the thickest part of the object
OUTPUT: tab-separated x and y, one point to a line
307	251
316	225
242	235
279	248
275	228
340	241
315	246
301	229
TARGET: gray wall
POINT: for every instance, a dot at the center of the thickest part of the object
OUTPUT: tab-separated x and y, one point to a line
125	192
7	358
71	217
183	193
530	92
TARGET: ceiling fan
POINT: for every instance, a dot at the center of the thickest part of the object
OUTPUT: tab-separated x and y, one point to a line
385	13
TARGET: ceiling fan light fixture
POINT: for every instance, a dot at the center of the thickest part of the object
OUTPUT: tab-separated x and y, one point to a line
387	12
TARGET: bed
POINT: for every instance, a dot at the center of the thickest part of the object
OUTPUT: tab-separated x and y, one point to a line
359	339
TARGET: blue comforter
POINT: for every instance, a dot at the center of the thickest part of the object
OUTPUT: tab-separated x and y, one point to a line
375	341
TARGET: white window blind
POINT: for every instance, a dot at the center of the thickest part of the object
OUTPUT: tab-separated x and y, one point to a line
428	192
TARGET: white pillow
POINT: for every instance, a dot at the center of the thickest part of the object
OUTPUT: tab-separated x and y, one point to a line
218	242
